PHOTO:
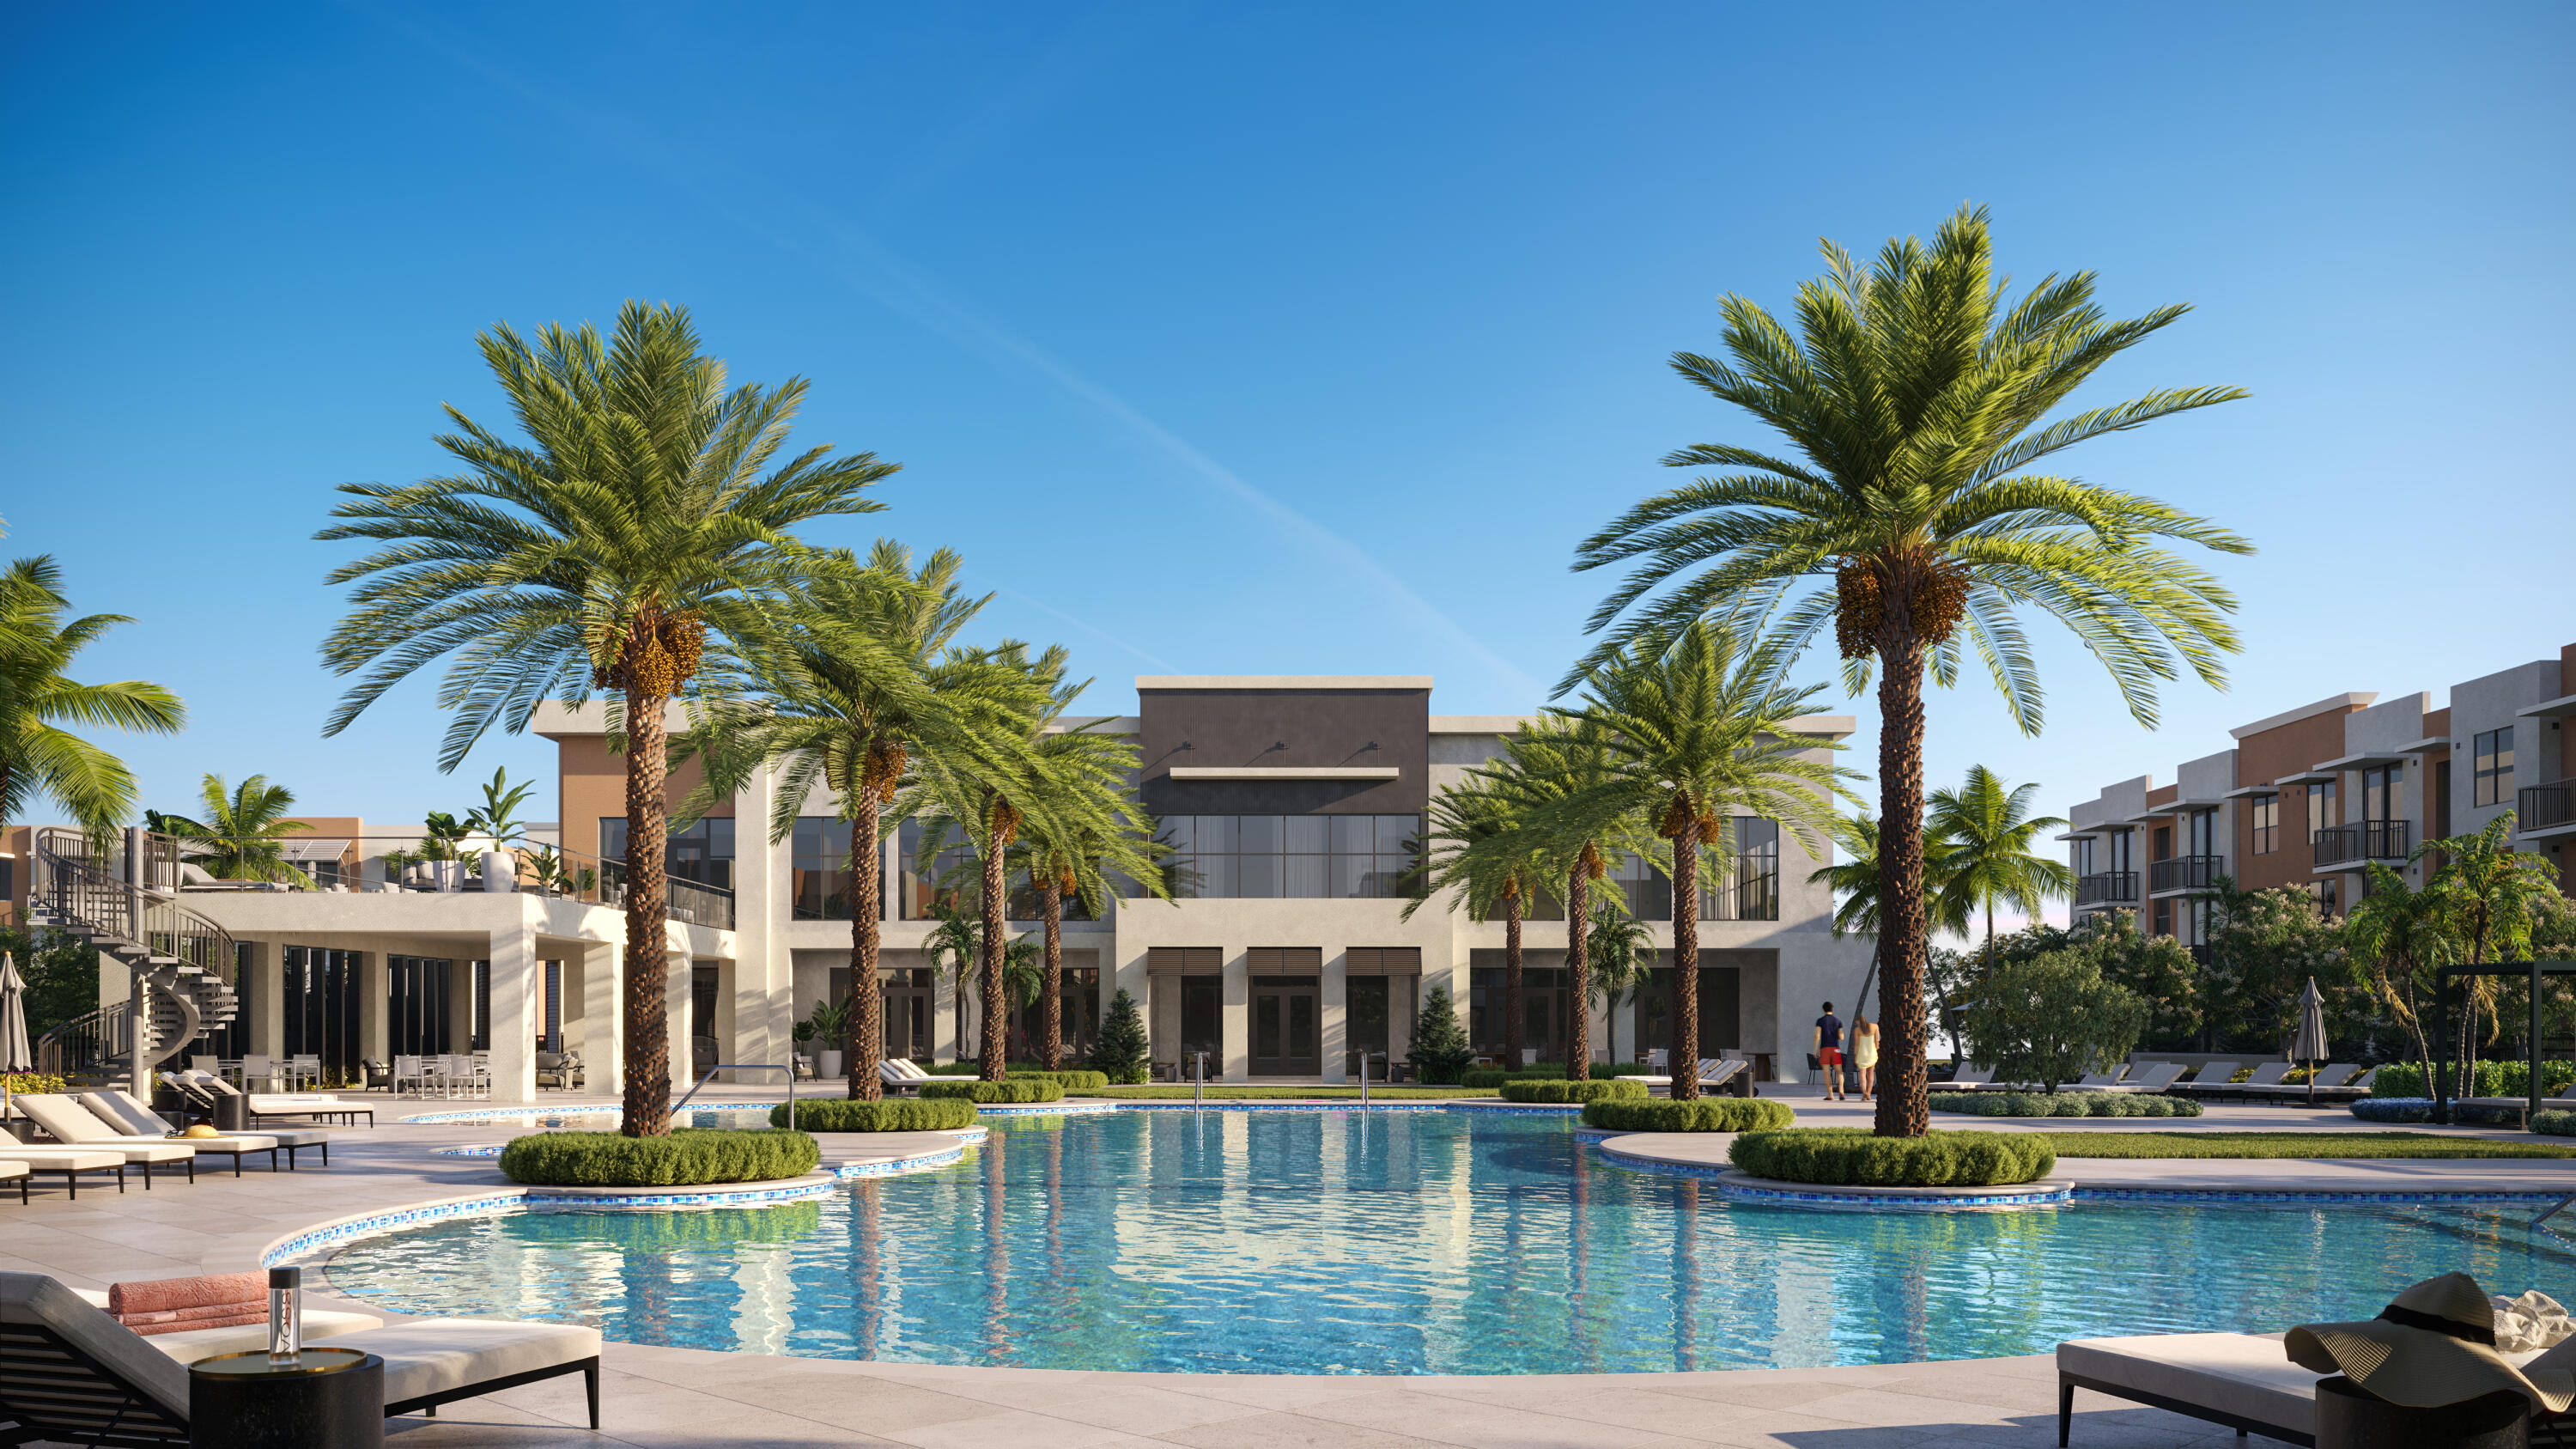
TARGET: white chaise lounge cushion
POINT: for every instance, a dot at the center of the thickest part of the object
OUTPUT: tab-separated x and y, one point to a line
2244	1374
434	1355
190	1345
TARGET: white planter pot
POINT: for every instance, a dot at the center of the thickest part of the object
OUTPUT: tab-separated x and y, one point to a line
830	1064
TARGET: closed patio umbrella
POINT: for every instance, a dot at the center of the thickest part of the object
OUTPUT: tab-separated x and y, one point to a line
2310	1044
15	1053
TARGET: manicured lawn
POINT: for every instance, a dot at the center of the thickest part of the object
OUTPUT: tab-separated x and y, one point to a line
2294	1144
1183	1092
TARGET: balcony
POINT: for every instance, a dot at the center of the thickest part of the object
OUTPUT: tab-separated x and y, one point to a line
2109	888
2184	873
2363	840
2539	808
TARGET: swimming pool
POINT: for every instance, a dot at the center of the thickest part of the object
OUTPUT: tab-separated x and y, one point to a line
1403	1243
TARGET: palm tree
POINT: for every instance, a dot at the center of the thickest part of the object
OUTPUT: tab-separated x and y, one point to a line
2396	939
243	835
635	542
1854	882
38	755
1619	954
1696	733
1548	766
958	940
2487	891
861	680
1913	520
1987	832
1097	828
1481	852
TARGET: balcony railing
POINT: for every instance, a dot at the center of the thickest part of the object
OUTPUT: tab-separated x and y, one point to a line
2545	807
2184	873
2364	840
2109	888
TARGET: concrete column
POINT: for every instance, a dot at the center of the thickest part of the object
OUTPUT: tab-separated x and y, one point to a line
1163	1017
1237	1013
375	998
263	988
460	1006
518	997
1333	1007
603	1019
678	1000
943	1014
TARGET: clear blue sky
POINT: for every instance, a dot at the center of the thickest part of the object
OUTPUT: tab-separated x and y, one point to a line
1287	339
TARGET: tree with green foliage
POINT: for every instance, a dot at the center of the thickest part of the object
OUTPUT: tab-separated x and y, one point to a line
958	940
2487	891
2395	938
1095	833
1986	833
1554	780
1481	851
2157	970
1619	953
1696	734
1120	1050
1439	1049
40	705
244	831
1914	518
1854	882
61	973
2263	948
638	540
2052	1019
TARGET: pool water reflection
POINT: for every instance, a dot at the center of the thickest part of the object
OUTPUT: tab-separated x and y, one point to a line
1415	1242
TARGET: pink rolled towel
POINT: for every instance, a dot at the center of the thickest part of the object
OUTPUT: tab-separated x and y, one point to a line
170	1295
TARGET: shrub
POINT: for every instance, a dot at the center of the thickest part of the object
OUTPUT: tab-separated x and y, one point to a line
2492	1079
894	1114
1120	1051
1704	1114
1439	1050
2554	1122
1496	1076
2376	1108
992	1092
1542	1090
2052	1018
2063	1104
37	1082
1851	1156
1072	1081
690	1155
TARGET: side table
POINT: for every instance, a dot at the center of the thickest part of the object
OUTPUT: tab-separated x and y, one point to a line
330	1398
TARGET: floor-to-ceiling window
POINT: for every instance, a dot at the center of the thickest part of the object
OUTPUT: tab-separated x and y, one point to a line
419	1017
319	1006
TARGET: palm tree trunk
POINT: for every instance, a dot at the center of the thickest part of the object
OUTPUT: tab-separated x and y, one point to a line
1515	1010
1578	974
996	1053
648	967
867	1052
1051	1051
1682	1056
1903	1108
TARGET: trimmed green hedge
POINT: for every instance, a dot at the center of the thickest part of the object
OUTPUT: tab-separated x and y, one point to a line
1542	1089
2554	1122
1002	1093
894	1114
1851	1157
2064	1104
1701	1114
2491	1079
1075	1080
688	1156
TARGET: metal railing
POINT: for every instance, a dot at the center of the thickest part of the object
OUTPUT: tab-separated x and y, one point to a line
2363	840
2184	873
2110	887
2544	807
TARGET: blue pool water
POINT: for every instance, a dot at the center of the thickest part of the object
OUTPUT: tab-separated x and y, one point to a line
1416	1242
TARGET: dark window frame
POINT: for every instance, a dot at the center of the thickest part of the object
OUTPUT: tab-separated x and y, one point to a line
2491	764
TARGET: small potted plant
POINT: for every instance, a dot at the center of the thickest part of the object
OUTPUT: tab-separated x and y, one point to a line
830	1023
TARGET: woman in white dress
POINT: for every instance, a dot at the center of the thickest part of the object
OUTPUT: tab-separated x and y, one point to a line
1864	1055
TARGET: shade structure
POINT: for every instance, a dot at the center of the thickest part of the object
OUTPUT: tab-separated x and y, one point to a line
17	1054
2310	1044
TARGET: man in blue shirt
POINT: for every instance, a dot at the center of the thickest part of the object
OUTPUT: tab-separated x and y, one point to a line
1829	1050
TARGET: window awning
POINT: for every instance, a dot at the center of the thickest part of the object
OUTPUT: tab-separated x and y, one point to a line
2253	792
2560	707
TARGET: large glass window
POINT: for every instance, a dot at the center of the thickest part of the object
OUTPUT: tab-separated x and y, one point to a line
2324	809
2383	792
319	1006
2122	845
1292	857
2265	814
820	859
417	1019
1753	894
2493	784
2200	833
950	876
702	853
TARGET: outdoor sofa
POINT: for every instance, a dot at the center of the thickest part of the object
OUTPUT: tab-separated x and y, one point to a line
70	1372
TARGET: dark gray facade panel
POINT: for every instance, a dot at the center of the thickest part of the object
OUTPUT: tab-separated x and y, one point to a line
1320	729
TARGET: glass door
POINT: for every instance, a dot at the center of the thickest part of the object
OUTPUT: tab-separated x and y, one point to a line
1287	1040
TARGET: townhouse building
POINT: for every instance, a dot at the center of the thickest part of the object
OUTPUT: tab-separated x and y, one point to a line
2309	798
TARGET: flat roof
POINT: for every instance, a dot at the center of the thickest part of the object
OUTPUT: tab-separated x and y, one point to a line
1283	681
2358	699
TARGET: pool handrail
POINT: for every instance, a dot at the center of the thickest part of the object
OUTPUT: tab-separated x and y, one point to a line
715	1067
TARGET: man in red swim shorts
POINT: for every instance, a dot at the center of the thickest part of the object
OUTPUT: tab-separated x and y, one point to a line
1829	1050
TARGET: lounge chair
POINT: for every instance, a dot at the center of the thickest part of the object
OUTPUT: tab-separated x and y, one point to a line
120	1109
133	1304
2154	1077
2243	1380
19	1173
890	1075
2328	1078
2098	1081
2269	1074
76	1127
73	1163
1967	1078
2352	1091
207	1088
70	1372
2211	1074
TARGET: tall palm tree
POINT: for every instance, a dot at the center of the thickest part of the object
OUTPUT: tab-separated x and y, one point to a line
1913	518
1854	882
2396	939
1479	851
1619	954
1547	767
39	756
1987	832
860	681
1098	832
1699	732
2487	890
243	833
636	540
958	940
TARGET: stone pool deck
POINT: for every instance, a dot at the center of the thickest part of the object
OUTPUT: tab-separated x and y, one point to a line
671	1397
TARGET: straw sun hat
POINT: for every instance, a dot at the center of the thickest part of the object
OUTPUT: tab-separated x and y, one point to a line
2434	1346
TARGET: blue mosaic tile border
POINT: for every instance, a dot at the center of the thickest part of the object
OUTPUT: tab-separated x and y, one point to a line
1520	1109
1352	1105
1045	1109
503	1114
539	1199
897	1166
1873	1202
2256	1197
480	1149
286	1250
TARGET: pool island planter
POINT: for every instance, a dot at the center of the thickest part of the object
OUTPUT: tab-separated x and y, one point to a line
2045	1193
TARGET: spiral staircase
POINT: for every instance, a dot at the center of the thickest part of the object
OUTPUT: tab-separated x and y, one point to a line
121	895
